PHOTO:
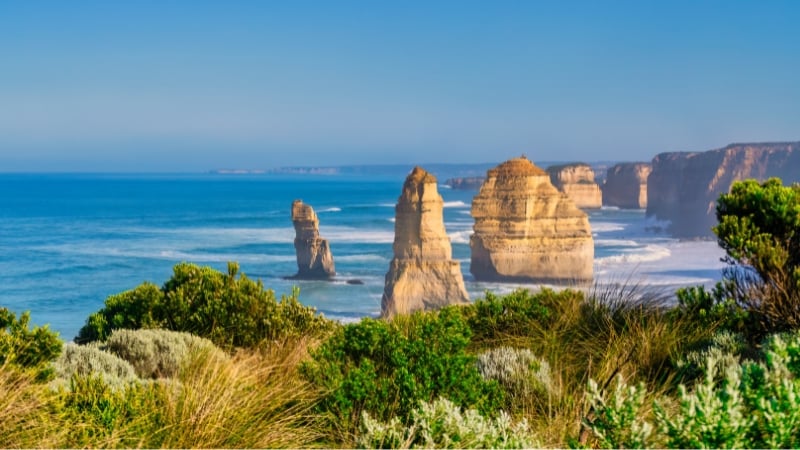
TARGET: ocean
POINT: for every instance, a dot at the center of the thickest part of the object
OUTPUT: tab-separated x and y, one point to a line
68	241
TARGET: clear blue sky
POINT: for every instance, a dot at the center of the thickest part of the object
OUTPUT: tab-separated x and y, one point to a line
192	85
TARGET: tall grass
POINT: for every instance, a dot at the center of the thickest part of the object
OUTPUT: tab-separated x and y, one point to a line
24	419
621	329
255	400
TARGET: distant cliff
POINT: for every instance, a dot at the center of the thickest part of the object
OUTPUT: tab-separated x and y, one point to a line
626	185
683	187
577	181
465	183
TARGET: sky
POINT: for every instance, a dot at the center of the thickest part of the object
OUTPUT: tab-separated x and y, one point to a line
173	86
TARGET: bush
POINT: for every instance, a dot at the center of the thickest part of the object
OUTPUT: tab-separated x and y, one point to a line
524	377
617	419
231	311
441	424
387	368
96	413
714	415
23	347
725	348
753	405
493	317
89	360
132	309
156	353
715	309
759	229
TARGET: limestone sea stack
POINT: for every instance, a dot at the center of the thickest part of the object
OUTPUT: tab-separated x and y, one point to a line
422	275
683	187
314	258
577	181
526	230
626	186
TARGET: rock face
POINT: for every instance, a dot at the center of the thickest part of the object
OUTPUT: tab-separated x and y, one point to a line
577	181
422	274
314	258
465	183
626	185
683	187
526	230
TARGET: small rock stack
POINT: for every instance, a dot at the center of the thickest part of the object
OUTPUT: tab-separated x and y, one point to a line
314	258
422	274
577	181
526	230
626	185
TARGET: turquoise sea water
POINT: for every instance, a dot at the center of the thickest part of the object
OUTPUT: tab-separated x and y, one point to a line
68	241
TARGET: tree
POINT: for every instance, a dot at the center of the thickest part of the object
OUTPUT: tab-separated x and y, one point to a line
759	229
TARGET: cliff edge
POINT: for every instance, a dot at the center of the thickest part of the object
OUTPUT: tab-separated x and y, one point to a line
683	187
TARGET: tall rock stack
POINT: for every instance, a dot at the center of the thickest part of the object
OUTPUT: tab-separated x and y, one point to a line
577	181
314	258
626	185
422	274
526	230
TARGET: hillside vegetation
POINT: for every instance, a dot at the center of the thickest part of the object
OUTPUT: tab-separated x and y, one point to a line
213	359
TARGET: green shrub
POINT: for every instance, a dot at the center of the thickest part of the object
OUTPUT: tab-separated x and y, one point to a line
759	229
156	353
617	418
714	309
231	311
753	405
441	424
96	413
759	226
493	317
386	368
771	392
713	415
128	310
726	349
89	360
524	377
24	347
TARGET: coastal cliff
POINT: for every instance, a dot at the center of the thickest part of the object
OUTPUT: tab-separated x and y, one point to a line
465	183
526	230
422	275
577	181
626	185
314	258
683	187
